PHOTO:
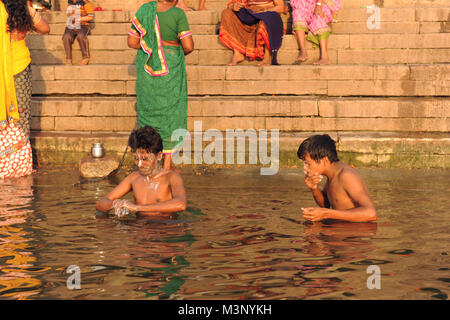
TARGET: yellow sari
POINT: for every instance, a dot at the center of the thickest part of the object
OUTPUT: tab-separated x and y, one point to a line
9	111
15	149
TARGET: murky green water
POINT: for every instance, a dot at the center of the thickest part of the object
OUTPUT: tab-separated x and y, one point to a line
242	237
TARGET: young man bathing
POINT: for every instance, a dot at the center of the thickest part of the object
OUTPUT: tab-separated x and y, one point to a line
157	192
345	197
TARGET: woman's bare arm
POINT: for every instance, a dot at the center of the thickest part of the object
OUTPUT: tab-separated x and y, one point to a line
188	44
40	25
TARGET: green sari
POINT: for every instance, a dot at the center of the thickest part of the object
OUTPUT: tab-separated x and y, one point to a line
161	86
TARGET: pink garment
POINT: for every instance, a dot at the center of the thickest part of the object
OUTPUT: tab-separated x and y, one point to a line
15	153
303	14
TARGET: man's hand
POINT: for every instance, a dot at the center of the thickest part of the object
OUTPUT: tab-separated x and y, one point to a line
123	207
314	214
312	179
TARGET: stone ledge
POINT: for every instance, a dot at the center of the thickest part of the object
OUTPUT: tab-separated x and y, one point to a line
382	149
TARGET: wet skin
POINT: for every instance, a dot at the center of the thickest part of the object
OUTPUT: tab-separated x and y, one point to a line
344	197
156	191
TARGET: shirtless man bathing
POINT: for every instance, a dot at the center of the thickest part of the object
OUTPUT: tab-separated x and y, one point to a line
345	197
157	192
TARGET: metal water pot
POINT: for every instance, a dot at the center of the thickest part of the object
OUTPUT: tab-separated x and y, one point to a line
97	150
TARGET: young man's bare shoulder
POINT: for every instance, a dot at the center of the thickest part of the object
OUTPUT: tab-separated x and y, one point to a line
172	175
349	175
133	176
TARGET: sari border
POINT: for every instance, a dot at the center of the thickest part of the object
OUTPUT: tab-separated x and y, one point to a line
184	34
164	70
134	34
229	41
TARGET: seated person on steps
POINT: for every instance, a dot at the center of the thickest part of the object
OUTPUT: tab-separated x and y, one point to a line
79	15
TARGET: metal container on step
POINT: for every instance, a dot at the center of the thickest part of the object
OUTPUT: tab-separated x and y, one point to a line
97	150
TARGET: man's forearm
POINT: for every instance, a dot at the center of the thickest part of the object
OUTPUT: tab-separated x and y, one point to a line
104	204
173	205
318	197
360	214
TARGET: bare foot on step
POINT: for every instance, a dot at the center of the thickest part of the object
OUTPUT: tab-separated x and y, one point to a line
237	57
84	62
322	62
301	58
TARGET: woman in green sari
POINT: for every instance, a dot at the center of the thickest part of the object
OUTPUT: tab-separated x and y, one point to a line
160	32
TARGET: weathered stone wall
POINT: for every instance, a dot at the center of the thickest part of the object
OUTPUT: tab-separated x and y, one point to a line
125	5
220	4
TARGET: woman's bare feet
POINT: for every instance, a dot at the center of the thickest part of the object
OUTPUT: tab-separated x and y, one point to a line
267	60
84	62
323	61
301	58
237	57
68	62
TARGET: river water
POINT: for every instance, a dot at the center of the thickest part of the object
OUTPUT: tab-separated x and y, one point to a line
242	237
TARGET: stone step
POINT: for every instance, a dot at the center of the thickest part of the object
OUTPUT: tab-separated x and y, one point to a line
343	49
211	42
381	149
286	113
194	17
357	27
404	14
220	4
414	20
331	80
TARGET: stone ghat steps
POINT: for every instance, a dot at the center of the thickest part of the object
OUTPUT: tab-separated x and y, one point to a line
382	149
331	80
285	113
423	31
343	49
220	4
348	20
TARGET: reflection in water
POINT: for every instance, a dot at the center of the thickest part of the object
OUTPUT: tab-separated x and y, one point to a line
159	257
341	242
242	237
17	271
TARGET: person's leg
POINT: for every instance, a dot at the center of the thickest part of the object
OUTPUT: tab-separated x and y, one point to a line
82	37
237	57
68	39
267	60
235	35
202	5
23	85
324	59
300	35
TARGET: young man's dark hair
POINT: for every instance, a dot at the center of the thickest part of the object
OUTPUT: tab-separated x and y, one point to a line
146	138
318	147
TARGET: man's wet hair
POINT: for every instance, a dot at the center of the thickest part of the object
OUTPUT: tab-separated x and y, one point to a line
146	138
318	146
